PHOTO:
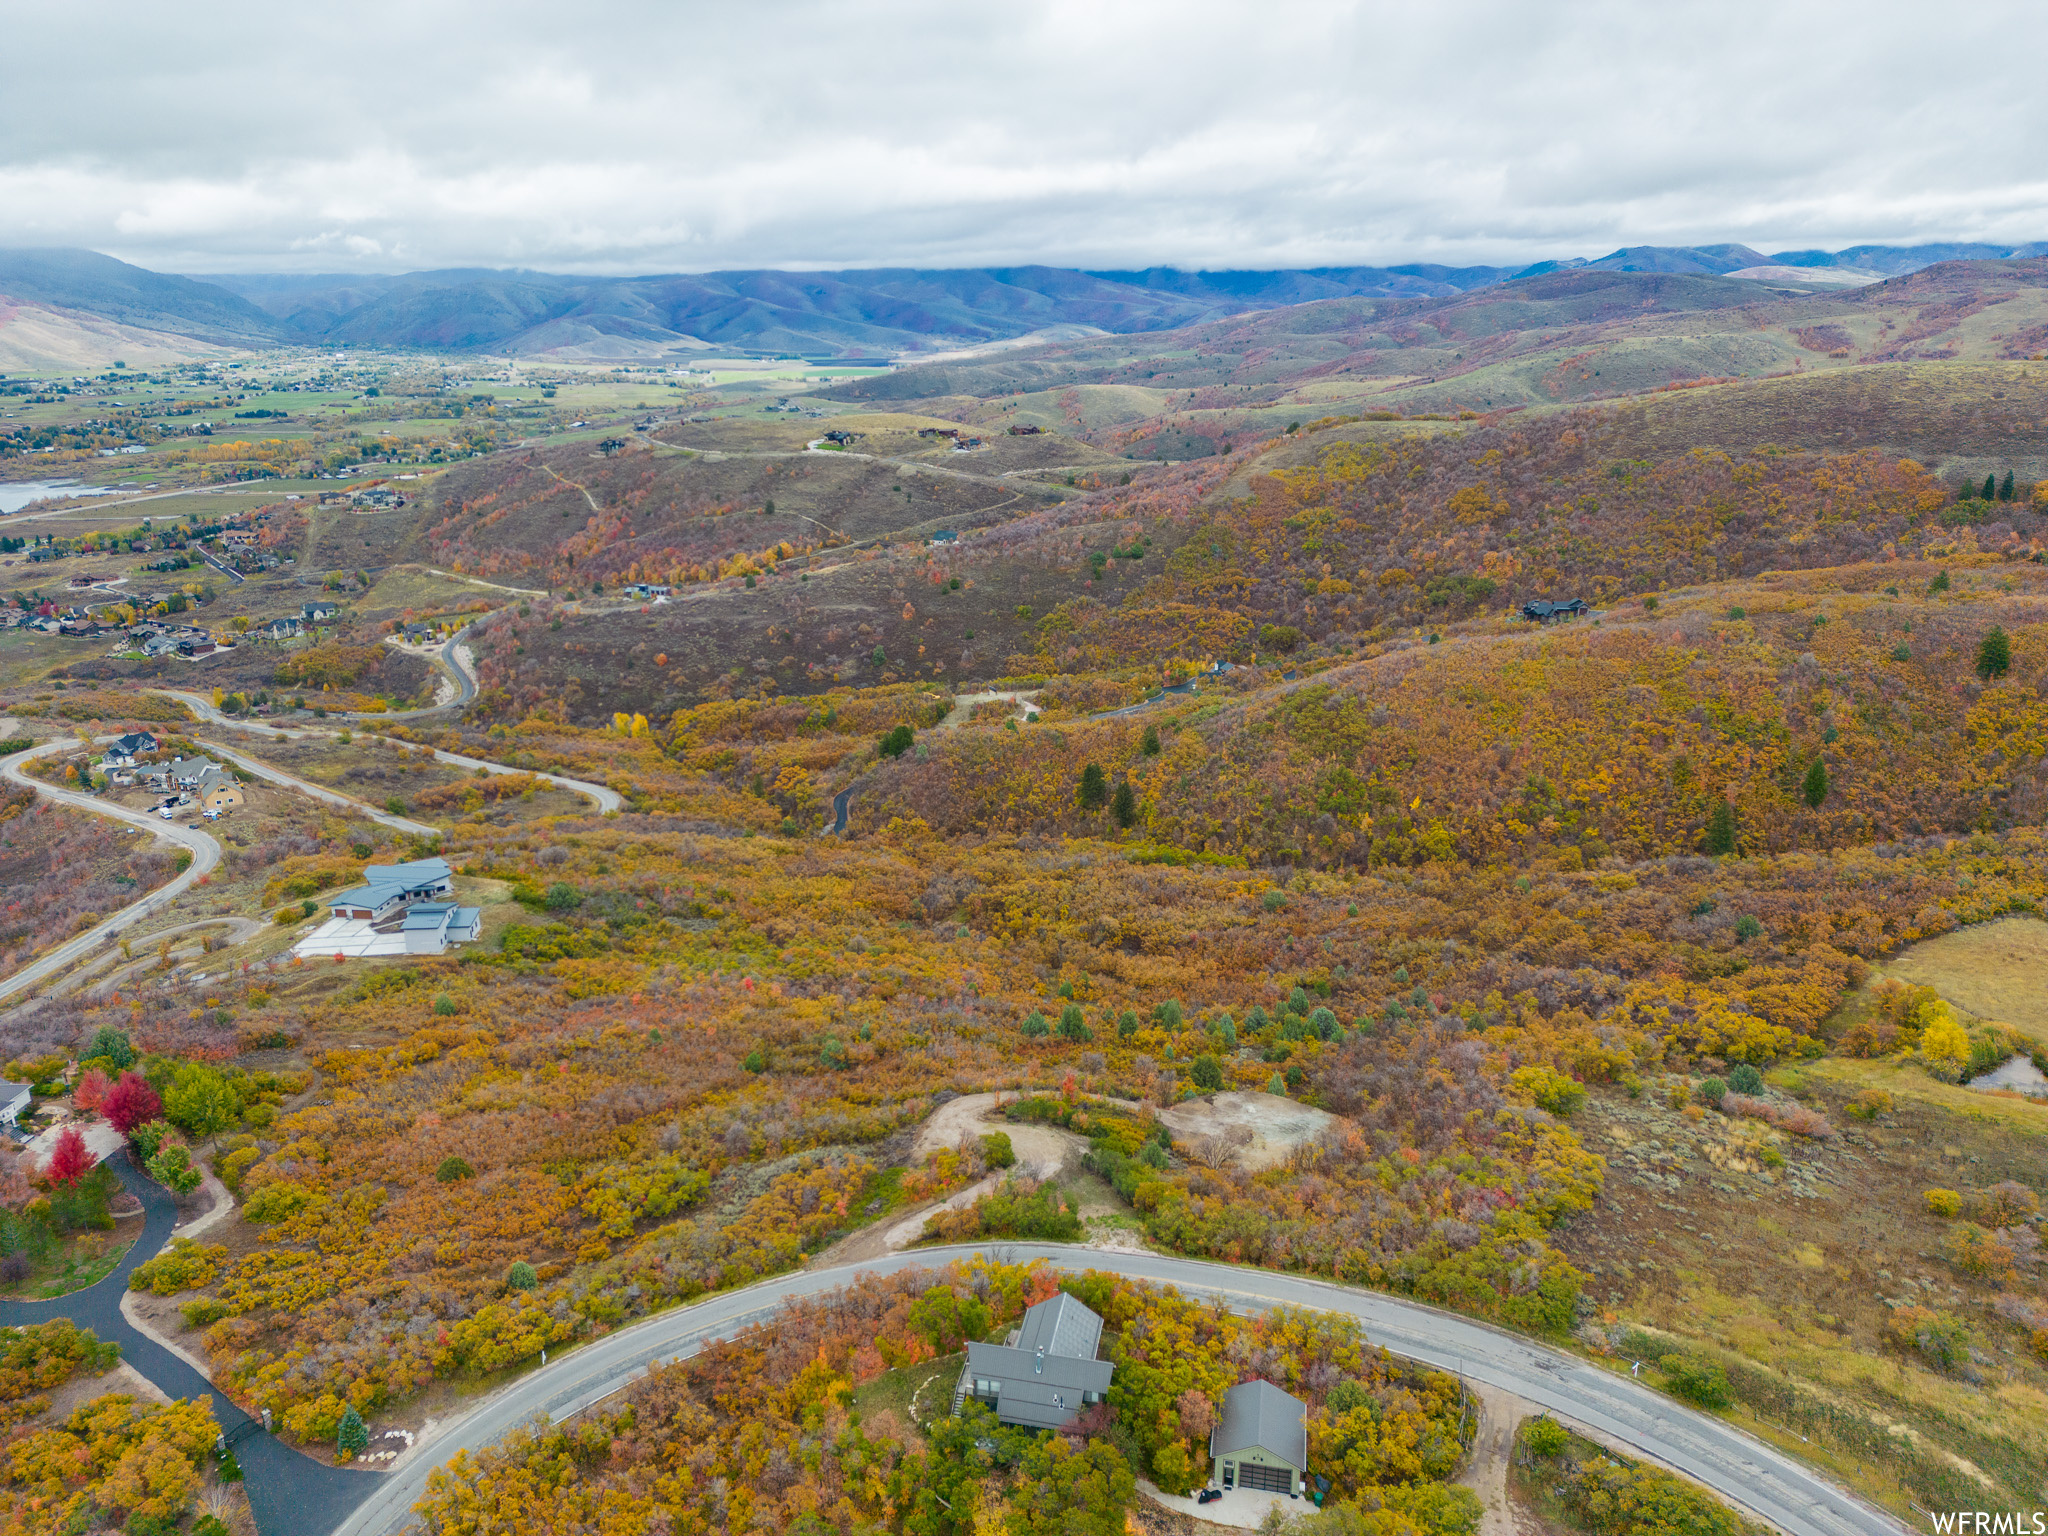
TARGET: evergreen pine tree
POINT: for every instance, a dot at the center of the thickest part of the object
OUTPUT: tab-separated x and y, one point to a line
353	1438
1994	656
2005	487
1094	787
1816	787
1150	745
1990	487
1721	829
1126	806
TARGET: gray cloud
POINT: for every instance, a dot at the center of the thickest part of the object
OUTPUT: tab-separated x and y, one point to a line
612	137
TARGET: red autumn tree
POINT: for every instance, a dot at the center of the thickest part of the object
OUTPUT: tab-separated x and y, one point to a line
131	1102
91	1092
69	1159
1197	1414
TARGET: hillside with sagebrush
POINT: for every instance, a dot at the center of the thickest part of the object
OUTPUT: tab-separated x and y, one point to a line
1653	981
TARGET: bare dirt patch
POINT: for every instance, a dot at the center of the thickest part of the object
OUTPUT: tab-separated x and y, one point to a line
1016	703
1492	1453
83	1388
1254	1130
1042	1151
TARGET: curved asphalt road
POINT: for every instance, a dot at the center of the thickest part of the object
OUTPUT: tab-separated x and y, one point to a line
278	776
288	1493
449	659
1742	1470
205	855
603	798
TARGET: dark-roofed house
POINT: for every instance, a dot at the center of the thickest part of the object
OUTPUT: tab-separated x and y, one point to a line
1542	612
1261	1440
14	1099
1047	1376
126	749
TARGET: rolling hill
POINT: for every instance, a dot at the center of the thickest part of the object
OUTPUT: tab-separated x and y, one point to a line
1558	338
887	311
92	284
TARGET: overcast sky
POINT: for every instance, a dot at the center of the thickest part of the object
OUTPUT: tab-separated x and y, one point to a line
676	137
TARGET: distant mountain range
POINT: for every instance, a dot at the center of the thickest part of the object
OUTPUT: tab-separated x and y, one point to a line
887	311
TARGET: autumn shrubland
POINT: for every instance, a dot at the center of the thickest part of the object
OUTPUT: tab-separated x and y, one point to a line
690	1073
1331	540
573	518
345	669
1594	937
61	871
1577	1485
73	1459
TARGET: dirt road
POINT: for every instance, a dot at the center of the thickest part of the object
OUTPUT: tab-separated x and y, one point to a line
1042	1152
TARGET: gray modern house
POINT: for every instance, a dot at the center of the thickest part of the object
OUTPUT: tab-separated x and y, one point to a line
1046	1375
1261	1440
389	886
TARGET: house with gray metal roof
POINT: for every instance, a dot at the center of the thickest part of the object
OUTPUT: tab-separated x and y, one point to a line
1261	1440
388	886
399	909
431	926
1046	1375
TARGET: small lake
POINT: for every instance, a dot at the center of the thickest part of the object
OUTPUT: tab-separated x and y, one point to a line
16	494
2019	1075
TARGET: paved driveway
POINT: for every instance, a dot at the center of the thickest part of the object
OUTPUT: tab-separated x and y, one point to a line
289	1493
